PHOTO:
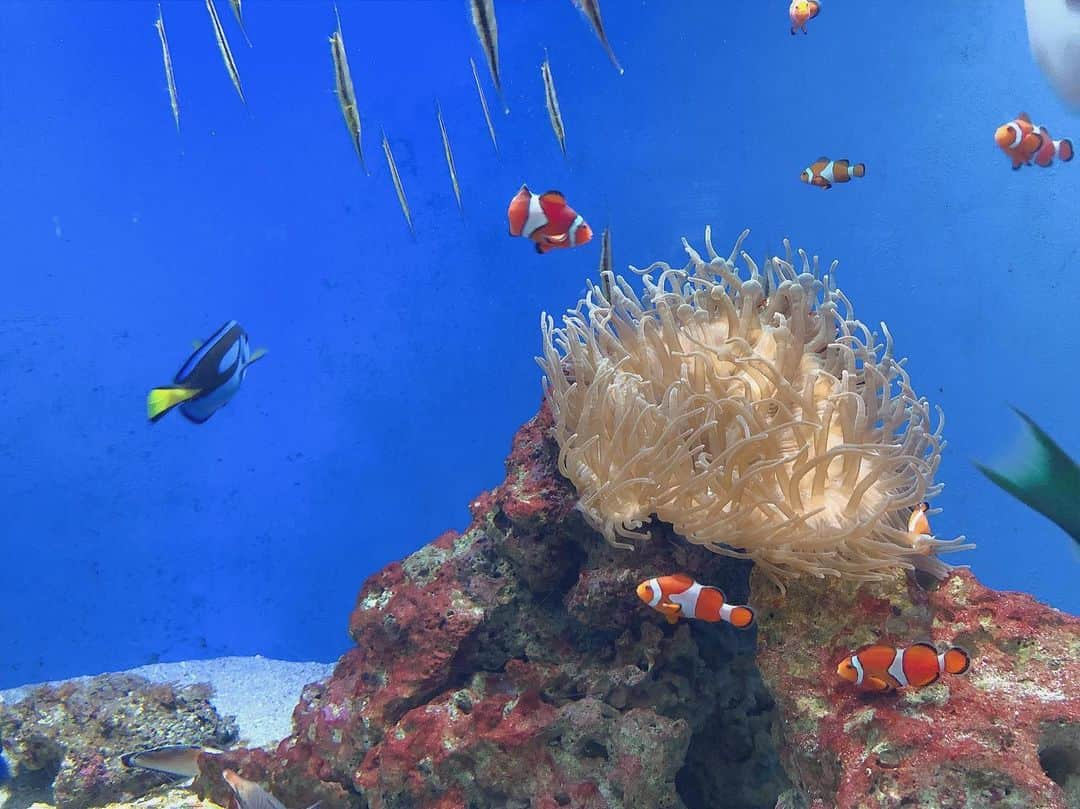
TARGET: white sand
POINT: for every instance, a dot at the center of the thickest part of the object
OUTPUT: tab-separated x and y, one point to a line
261	693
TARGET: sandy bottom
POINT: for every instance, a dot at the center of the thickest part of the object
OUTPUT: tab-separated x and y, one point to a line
261	693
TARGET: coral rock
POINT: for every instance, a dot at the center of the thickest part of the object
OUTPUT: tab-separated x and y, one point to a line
1006	734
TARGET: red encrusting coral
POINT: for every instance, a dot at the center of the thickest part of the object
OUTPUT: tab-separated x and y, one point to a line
513	665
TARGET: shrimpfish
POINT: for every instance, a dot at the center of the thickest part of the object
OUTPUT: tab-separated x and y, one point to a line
210	377
591	9
801	12
547	220
877	667
679	596
487	31
824	172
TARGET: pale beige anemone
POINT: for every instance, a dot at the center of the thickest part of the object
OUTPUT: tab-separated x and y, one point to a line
757	416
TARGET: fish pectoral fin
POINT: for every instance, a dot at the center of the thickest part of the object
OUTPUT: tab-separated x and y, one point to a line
161	400
557	239
878	684
256	355
670	611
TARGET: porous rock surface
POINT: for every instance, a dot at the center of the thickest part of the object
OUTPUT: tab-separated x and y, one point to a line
514	666
64	742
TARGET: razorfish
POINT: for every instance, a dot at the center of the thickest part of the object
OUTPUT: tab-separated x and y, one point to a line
483	105
209	378
398	187
552	100
239	14
250	795
343	86
607	265
159	24
449	156
1043	477
483	17
591	9
226	51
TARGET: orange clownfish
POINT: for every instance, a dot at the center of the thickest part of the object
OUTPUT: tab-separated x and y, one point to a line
824	172
680	596
886	668
801	12
547	220
1025	142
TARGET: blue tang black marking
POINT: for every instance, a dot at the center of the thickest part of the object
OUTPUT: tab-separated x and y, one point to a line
210	377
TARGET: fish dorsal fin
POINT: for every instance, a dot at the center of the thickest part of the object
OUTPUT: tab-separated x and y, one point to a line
1024	117
681	579
553	196
256	355
822	159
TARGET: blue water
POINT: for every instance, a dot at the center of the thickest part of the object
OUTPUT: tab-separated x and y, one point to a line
399	368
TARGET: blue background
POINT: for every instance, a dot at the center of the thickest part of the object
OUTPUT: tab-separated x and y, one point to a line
399	369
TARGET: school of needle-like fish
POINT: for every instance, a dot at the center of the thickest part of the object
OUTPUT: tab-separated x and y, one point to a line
552	206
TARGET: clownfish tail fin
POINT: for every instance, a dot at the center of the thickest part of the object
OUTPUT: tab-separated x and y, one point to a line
955	660
1065	150
859	170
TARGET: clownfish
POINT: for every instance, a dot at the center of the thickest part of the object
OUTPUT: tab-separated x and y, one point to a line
885	668
679	595
1025	142
801	12
824	172
209	378
547	220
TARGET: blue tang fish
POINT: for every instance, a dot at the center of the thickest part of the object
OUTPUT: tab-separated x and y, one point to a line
210	377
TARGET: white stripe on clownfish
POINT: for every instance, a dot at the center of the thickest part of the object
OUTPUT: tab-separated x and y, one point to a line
687	600
897	668
573	229
536	219
857	665
827	172
654	588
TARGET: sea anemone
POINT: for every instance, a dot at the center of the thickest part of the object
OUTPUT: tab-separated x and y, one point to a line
758	417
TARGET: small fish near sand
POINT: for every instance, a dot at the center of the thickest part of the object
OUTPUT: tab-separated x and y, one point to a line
591	9
170	79
209	378
547	219
1025	142
679	596
346	93
226	51
487	31
1043	477
823	172
551	98
177	760
877	667
800	12
250	795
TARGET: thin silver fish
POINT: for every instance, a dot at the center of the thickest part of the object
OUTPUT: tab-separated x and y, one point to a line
592	11
607	265
179	760
483	104
239	19
346	93
552	100
449	156
159	24
250	795
397	182
223	46
483	17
